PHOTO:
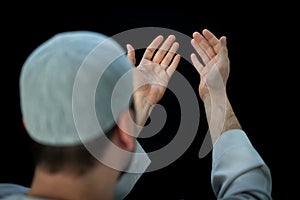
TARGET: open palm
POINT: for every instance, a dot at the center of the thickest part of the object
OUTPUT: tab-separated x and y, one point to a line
155	69
214	69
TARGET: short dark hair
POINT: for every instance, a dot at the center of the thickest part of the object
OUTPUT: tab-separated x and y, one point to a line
75	159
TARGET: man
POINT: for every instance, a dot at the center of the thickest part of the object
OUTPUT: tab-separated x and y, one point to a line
76	116
60	105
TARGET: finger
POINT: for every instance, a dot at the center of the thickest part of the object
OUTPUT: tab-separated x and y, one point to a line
171	69
200	51
222	57
196	63
160	54
212	39
223	42
131	54
152	47
204	44
168	58
223	48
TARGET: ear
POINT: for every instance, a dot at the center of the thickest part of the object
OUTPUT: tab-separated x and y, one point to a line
124	132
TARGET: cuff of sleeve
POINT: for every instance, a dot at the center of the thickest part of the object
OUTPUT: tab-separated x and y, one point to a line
237	143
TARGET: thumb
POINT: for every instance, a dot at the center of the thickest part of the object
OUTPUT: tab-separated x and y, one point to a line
131	54
223	46
223	51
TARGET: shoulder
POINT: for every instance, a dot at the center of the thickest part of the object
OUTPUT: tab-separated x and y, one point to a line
12	191
19	197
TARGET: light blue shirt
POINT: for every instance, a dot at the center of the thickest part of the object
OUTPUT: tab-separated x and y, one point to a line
238	172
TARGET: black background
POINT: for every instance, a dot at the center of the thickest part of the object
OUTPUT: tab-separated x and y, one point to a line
259	38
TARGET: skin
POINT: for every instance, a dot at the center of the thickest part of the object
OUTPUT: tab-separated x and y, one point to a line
214	73
156	67
97	183
153	73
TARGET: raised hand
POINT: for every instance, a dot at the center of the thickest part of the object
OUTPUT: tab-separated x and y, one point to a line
214	72
156	67
214	68
154	71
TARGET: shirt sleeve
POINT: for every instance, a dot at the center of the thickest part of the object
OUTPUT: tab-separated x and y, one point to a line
238	171
7	189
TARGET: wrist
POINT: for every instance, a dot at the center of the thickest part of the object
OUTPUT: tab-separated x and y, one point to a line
231	121
142	108
220	115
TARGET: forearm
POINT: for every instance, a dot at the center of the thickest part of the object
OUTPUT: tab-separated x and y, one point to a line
220	115
231	121
142	109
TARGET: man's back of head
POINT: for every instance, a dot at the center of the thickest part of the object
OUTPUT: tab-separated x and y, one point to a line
73	89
